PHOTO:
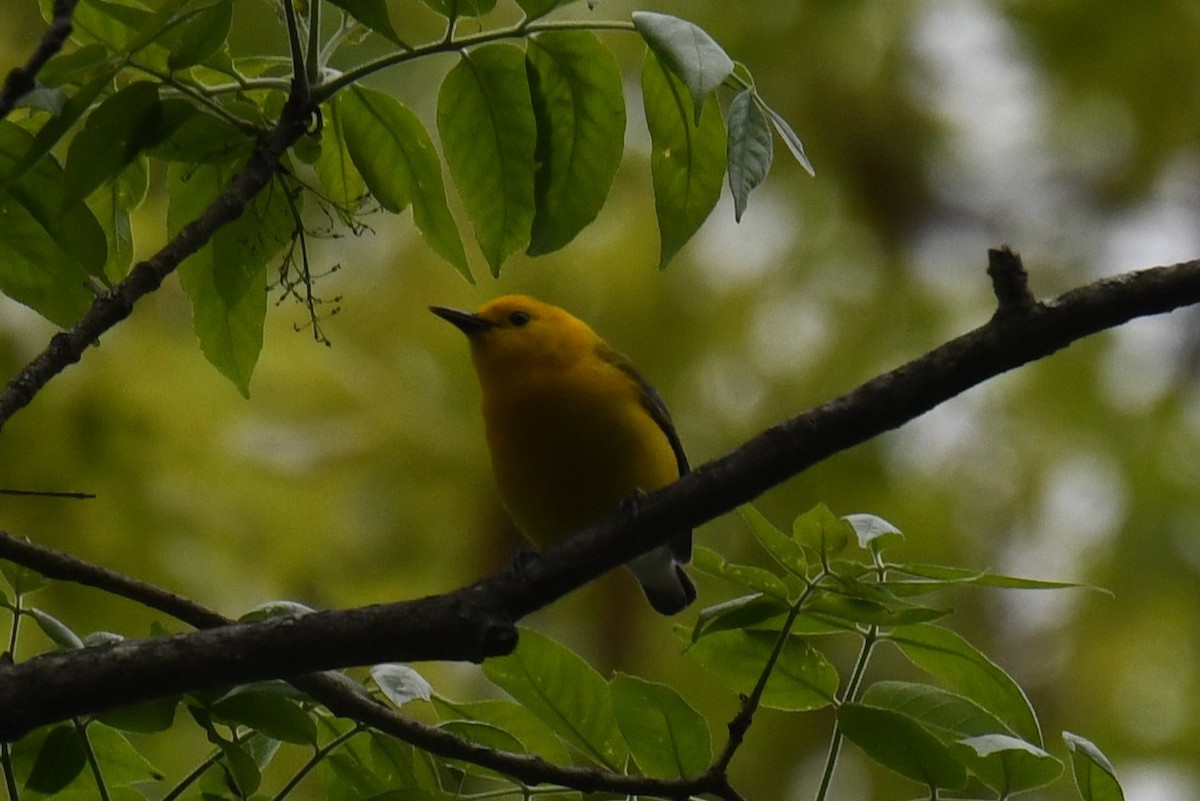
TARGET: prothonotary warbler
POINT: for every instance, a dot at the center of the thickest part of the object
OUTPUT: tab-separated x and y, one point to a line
573	431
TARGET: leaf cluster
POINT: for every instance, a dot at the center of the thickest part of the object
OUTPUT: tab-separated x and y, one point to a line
530	121
970	728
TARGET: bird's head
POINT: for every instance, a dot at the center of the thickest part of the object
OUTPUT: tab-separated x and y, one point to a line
517	332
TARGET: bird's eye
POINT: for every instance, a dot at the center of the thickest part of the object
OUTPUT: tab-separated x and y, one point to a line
518	318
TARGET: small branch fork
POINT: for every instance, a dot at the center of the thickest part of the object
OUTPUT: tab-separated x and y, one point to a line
1010	282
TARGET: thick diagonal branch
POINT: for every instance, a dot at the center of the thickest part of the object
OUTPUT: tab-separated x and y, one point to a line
474	622
350	701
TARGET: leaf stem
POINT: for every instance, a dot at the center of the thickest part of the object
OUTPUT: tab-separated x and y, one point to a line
324	91
204	98
16	625
101	788
10	781
318	755
193	776
851	691
299	71
313	58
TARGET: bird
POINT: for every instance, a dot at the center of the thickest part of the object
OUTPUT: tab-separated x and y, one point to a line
574	431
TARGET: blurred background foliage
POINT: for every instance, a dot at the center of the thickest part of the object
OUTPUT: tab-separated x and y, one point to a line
357	473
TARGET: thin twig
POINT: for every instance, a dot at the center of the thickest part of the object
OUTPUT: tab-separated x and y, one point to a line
452	45
745	715
21	80
75	496
67	347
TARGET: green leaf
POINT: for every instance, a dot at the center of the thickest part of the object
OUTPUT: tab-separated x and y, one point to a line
539	8
341	180
113	136
111	204
129	28
23	580
400	683
230	334
687	162
580	111
947	715
712	563
1095	777
241	768
821	531
1006	764
901	744
870	529
60	759
688	51
751	149
268	713
464	8
49	244
147	717
745	612
397	159
485	118
782	547
802	679
54	130
666	735
484	734
121	763
373	14
398	764
198	137
347	774
935	577
789	137
944	654
851	611
58	632
487	735
226	279
535	736
564	691
76	67
201	35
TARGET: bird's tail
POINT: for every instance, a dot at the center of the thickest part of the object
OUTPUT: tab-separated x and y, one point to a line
668	588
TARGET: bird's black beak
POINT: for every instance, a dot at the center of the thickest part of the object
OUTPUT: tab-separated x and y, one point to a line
464	321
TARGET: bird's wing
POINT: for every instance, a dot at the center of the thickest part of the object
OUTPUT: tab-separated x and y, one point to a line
651	401
681	546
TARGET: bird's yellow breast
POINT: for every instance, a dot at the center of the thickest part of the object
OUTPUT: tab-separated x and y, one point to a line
569	443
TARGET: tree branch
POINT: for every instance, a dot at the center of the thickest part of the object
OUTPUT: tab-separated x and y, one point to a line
351	702
476	622
21	80
107	310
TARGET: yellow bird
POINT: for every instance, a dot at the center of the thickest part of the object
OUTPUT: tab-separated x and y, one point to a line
573	431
